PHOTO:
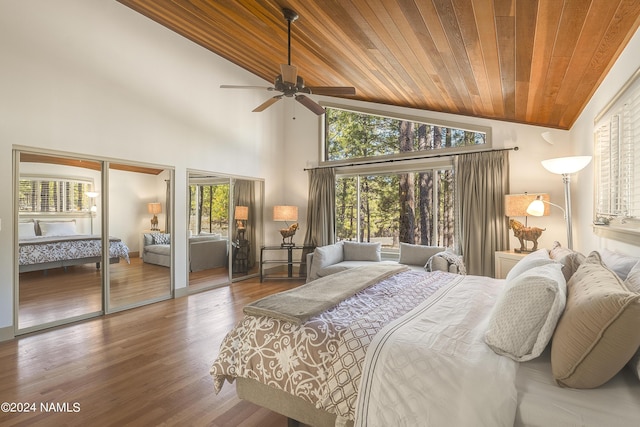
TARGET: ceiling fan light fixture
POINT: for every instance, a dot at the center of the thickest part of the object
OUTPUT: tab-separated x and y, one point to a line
289	73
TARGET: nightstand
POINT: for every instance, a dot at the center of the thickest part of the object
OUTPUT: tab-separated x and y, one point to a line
505	260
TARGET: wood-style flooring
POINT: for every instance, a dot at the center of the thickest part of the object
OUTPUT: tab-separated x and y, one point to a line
143	367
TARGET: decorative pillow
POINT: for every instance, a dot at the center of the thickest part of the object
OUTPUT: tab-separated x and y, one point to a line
557	251
161	238
598	332
634	364
633	278
26	230
569	259
618	263
58	228
324	256
442	260
534	259
417	254
526	313
355	251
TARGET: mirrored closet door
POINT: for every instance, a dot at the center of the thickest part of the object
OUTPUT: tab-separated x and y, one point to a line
59	240
68	209
225	229
208	227
140	213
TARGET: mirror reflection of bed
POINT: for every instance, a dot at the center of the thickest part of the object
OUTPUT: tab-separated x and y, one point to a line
60	223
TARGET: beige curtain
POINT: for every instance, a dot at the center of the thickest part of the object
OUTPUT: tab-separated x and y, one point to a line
244	194
482	180
320	210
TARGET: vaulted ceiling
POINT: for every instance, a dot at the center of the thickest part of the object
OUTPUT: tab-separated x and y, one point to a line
528	61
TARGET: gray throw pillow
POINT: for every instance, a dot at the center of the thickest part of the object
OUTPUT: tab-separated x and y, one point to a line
356	251
417	254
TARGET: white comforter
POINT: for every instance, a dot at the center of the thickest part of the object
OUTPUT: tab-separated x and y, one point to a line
433	368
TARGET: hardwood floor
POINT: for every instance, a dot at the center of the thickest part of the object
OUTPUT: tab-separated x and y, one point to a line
144	367
64	293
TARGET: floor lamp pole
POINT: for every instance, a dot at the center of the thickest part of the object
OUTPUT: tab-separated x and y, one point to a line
567	202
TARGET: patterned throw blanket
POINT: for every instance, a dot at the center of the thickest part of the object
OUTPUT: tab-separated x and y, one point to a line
321	359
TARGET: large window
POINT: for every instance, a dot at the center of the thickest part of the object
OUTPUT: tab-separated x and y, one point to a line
409	207
53	195
395	182
354	135
617	160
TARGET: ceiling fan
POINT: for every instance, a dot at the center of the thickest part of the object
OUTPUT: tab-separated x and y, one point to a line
291	85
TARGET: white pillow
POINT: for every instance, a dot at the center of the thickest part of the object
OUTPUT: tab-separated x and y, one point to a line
417	254
534	259
356	251
618	263
633	278
522	322
62	228
26	230
324	256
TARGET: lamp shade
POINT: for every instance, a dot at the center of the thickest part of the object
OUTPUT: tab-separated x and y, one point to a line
241	213
154	208
516	205
285	213
536	208
566	165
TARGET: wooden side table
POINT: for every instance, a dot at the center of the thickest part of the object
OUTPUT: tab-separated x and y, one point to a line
504	262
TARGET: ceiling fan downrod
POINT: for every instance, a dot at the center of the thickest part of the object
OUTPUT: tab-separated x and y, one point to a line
290	16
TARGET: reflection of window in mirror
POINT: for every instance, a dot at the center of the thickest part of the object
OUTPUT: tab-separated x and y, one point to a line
208	225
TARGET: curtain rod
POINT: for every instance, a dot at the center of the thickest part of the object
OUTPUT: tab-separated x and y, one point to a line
431	156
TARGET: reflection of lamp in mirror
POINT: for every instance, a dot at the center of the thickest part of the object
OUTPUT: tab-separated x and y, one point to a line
565	166
241	215
286	213
155	209
93	208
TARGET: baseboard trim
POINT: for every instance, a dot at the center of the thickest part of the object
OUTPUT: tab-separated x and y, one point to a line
181	292
6	333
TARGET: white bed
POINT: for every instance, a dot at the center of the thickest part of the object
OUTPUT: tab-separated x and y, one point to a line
542	403
427	360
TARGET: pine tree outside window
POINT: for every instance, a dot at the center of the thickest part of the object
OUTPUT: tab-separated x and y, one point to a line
406	193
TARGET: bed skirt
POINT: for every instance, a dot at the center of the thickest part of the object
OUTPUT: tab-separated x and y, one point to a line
284	403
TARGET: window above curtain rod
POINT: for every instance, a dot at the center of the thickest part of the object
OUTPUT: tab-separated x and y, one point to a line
406	159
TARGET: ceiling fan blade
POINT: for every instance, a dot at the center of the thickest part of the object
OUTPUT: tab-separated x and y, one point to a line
332	90
267	104
310	104
245	87
289	73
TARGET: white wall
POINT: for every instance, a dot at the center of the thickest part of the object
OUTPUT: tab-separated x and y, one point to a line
95	78
582	138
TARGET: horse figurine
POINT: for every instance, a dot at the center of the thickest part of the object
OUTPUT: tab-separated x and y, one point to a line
523	234
288	232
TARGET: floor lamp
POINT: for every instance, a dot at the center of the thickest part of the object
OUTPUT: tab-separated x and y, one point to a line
564	166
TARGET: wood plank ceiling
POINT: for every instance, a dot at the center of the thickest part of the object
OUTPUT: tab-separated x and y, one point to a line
528	61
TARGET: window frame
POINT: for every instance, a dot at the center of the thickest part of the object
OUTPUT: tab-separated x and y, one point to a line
85	211
412	155
611	132
433	164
